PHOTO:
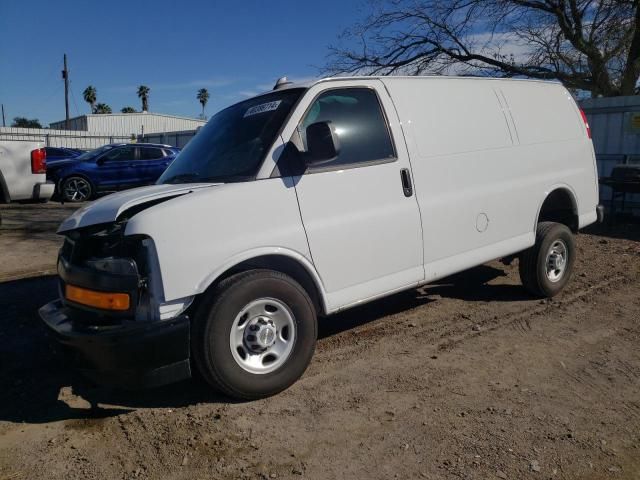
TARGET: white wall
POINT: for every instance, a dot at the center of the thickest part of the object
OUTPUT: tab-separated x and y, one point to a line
132	123
61	138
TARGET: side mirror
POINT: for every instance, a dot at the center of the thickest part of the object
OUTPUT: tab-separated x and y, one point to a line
100	161
323	144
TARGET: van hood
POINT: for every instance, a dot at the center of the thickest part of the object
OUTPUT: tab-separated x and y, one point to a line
107	209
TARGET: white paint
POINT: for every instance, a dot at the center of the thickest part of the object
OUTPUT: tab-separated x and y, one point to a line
15	170
483	155
506	175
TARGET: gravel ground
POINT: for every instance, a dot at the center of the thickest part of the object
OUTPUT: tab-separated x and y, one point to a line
467	379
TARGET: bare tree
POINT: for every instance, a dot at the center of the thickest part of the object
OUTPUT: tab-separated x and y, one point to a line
587	44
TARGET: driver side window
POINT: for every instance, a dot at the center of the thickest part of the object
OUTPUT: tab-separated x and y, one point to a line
357	118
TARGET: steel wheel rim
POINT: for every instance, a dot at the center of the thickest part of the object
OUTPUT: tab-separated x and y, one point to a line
557	259
76	189
262	336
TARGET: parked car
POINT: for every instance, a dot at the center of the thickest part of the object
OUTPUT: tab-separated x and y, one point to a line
56	154
313	199
110	168
23	167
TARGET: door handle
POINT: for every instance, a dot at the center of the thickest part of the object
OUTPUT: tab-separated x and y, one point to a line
407	186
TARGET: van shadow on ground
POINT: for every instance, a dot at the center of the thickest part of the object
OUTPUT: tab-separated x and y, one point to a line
32	375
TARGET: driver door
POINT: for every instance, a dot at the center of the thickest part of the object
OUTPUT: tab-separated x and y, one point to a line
363	224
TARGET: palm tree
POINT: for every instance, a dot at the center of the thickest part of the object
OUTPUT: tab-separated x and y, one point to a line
203	98
128	110
102	108
143	94
90	96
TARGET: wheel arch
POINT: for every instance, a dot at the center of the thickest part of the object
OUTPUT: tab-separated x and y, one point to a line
281	260
560	205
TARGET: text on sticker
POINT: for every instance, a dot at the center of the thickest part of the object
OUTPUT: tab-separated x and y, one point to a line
265	107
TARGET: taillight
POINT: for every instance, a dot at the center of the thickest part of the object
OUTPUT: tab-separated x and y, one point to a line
586	123
39	161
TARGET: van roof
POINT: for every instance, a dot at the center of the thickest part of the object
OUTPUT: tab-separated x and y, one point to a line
310	83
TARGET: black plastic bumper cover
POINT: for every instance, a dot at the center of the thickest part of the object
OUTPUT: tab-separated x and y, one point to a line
128	355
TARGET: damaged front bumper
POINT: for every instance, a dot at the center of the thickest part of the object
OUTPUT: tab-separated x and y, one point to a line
126	354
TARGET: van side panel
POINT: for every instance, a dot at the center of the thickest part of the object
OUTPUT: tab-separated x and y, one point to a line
478	188
467	179
553	135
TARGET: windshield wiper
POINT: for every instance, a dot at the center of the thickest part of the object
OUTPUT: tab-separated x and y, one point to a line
196	178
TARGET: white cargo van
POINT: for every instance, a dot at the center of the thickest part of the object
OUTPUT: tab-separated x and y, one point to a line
311	199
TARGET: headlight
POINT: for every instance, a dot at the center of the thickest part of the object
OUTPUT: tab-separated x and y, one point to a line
119	266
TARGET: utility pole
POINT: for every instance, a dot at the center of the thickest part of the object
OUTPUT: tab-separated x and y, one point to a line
3	122
65	76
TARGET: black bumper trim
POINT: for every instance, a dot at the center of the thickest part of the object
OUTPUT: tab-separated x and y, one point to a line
130	354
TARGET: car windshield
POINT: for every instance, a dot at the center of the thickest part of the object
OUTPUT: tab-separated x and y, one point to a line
94	153
232	145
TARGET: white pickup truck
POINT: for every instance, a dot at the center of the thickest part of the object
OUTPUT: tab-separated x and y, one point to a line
23	167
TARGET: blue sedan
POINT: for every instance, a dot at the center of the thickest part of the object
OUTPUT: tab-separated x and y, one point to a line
110	168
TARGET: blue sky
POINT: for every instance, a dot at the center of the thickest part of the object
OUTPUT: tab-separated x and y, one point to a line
232	48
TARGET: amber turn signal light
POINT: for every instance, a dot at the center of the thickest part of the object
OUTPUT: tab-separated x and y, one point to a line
102	300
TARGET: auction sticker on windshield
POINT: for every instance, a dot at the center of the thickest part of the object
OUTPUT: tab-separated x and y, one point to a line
265	107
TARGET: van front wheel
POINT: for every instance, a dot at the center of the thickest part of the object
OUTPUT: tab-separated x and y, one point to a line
255	334
546	267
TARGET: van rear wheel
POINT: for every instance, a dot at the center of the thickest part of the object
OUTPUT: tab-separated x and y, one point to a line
546	267
255	334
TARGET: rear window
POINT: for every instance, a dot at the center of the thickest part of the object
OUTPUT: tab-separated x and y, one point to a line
150	153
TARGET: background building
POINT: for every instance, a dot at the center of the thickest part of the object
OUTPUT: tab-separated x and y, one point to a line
129	123
615	127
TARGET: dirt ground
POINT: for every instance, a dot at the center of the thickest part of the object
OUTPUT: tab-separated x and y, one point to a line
468	379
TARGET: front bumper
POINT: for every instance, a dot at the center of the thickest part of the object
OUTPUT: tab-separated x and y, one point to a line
127	354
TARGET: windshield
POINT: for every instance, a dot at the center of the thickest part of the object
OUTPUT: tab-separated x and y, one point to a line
232	145
94	153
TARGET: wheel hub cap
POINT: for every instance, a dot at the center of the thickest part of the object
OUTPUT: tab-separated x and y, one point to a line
556	260
262	335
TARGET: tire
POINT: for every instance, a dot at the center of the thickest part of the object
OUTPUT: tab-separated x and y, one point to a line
546	267
274	307
76	189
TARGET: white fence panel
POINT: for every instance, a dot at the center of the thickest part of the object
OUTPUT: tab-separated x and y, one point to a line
62	138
